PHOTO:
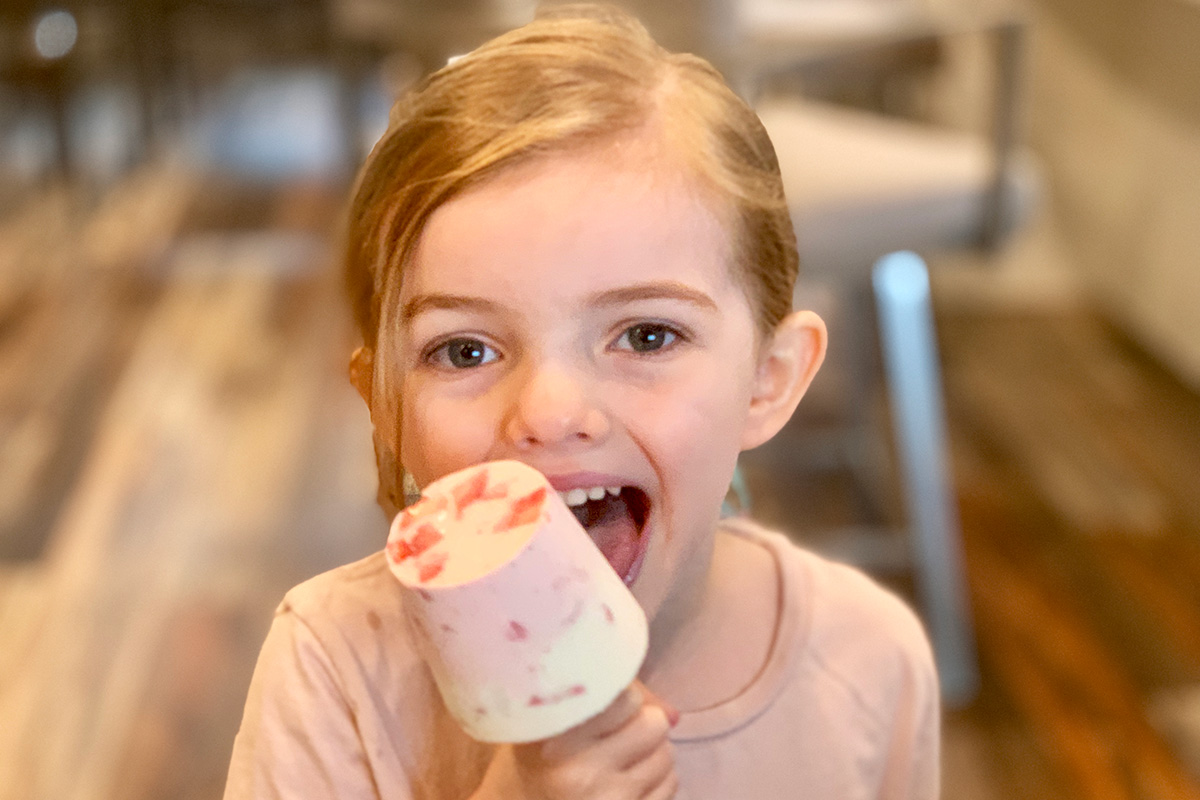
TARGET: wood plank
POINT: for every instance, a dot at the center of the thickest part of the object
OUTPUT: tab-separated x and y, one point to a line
1087	480
1166	606
208	362
1076	694
1045	599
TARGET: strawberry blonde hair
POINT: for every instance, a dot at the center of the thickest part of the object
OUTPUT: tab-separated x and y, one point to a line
576	77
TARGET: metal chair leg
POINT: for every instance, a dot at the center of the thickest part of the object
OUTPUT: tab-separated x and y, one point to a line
901	283
737	499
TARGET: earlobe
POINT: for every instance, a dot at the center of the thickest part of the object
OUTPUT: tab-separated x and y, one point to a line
362	372
787	365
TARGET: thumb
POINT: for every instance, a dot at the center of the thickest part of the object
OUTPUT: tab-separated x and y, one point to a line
652	699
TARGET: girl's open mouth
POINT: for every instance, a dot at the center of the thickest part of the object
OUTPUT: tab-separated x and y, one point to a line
615	519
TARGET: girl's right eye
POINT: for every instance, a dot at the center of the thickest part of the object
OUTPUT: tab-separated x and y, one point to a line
462	353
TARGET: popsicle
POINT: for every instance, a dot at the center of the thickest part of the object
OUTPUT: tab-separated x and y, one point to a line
527	629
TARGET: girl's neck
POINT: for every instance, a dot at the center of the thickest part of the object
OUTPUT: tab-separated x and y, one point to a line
726	626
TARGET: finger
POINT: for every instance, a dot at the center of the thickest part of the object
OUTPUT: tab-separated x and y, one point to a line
654	699
613	718
638	739
657	769
586	734
632	743
625	706
665	790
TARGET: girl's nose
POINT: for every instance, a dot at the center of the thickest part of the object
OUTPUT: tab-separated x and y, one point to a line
552	407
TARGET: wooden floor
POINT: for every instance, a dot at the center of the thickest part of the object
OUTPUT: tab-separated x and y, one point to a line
178	445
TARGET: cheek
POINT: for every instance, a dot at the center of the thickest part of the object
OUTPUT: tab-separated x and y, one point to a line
439	434
695	428
706	408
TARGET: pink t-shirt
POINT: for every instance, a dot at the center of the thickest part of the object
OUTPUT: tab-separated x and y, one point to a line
846	707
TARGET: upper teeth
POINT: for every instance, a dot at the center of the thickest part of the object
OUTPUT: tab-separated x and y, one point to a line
577	497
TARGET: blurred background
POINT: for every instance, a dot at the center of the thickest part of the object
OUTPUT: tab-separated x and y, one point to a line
1010	438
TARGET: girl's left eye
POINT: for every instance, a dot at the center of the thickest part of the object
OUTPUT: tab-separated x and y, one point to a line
462	353
647	337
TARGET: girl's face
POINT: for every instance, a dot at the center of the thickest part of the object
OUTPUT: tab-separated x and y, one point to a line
581	317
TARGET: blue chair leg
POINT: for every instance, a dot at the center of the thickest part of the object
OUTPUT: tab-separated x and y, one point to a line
737	499
901	284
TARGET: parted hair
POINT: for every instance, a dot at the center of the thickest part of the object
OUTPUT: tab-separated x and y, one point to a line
576	76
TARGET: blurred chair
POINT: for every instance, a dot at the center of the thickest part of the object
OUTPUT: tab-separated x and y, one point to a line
37	66
187	50
901	285
431	31
862	184
175	55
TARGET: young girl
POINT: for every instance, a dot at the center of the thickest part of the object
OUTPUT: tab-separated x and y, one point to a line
572	248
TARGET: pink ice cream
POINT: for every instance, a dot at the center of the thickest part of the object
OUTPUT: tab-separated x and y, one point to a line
526	627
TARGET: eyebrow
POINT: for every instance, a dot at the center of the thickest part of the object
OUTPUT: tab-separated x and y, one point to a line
656	290
451	302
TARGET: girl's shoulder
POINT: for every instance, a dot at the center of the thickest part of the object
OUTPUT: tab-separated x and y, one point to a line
353	611
354	588
843	647
839	619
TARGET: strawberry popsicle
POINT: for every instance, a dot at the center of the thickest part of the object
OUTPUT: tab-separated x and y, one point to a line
527	629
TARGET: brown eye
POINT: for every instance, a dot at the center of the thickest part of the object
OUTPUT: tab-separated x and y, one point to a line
646	337
463	353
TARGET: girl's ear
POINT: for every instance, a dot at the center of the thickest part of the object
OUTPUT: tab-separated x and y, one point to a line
362	372
787	363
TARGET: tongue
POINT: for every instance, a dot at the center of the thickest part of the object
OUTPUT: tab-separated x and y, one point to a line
614	531
617	536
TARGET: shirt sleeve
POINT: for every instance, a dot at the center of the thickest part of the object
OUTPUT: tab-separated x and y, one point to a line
298	737
913	767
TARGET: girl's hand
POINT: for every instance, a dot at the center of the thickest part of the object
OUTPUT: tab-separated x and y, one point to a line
620	754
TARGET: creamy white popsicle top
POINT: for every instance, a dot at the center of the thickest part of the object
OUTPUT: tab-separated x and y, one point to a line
525	626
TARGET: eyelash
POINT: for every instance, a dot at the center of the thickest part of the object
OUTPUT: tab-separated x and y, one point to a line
676	334
430	355
676	337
